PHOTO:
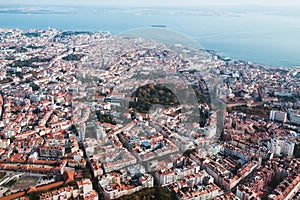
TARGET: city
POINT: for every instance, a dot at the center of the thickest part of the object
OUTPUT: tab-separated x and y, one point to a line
89	115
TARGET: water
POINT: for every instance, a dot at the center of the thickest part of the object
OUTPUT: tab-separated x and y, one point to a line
272	39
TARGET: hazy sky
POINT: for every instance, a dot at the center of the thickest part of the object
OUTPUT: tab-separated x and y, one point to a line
154	2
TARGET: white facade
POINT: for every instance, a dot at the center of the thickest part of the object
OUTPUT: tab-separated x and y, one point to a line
278	116
281	146
4	143
85	186
295	118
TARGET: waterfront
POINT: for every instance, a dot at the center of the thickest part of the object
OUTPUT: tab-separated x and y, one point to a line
271	39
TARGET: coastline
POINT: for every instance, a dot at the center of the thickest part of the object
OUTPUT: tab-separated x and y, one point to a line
164	27
263	43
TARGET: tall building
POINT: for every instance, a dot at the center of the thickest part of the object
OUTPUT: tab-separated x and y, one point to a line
295	118
278	116
81	129
281	146
100	132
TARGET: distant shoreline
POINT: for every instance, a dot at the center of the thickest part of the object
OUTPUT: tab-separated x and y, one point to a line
276	51
158	26
210	51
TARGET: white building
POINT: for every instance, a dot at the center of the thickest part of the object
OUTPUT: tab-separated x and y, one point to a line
165	176
210	131
281	146
85	186
295	118
278	116
113	186
4	143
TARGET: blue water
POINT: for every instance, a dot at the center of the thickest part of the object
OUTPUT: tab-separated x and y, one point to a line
270	39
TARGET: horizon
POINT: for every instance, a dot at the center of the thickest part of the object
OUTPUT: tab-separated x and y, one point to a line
155	3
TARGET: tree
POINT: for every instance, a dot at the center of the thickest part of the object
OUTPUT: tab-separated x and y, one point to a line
188	152
34	86
233	124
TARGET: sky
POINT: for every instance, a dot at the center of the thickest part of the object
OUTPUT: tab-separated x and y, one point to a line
154	2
